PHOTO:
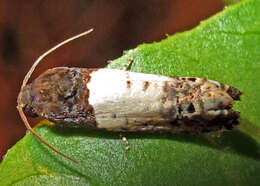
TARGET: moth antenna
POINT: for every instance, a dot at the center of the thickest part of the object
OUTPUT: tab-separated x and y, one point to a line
39	137
35	64
25	81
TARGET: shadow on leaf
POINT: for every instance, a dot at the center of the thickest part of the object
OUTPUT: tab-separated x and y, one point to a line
236	141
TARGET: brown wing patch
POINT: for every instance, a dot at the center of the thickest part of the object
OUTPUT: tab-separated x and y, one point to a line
146	85
128	84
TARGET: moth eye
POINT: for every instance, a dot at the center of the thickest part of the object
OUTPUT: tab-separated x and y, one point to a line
29	111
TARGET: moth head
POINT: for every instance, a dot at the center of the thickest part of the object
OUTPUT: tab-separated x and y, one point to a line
54	94
25	100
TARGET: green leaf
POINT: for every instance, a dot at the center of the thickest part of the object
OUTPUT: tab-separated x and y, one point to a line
231	2
225	48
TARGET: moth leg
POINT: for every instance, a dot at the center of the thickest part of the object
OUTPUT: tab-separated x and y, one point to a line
125	140
128	64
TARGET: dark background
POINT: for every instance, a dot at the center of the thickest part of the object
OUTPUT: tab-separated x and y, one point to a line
29	28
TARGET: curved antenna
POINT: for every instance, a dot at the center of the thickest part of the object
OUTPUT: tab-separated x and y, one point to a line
27	77
35	64
20	109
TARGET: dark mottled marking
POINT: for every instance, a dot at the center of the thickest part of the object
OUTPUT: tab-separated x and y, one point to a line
172	94
113	116
163	100
166	87
191	108
192	79
177	99
222	86
180	109
175	123
234	93
128	84
61	95
169	90
187	88
171	114
65	98
180	85
198	87
191	96
229	126
30	112
146	85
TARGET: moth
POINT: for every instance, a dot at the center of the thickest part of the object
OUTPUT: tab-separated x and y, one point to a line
119	100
